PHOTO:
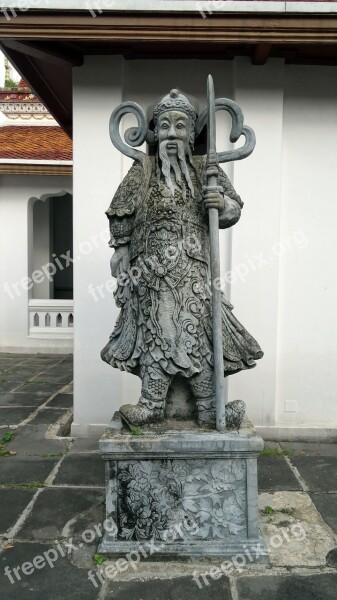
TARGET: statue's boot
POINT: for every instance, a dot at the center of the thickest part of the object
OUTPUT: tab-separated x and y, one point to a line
206	416
234	411
146	411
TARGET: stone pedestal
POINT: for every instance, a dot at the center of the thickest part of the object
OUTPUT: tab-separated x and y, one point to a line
192	492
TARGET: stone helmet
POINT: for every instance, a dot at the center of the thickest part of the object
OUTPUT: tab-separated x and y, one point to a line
176	101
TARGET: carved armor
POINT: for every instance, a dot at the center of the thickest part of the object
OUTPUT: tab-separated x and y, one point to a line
165	327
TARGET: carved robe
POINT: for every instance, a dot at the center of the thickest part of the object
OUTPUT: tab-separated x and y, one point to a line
165	318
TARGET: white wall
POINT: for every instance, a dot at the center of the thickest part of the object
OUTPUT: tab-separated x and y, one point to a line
283	287
16	192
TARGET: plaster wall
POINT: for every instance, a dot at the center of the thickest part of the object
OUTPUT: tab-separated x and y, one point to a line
17	194
281	285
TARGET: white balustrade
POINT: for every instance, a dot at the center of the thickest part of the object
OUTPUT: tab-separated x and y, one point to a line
51	319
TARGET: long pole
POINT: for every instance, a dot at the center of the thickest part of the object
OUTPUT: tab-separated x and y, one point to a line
212	182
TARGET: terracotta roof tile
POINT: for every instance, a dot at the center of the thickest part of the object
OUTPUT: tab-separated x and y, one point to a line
34	143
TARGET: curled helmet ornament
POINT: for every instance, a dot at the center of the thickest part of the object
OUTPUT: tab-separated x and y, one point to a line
136	136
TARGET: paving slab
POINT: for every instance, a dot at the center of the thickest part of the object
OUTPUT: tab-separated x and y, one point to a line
293	530
62	401
47	416
63	512
14	415
12	503
293	587
183	588
47	388
81	469
62	582
326	505
22	399
30	440
18	375
83	445
17	469
274	474
8	386
319	472
309	448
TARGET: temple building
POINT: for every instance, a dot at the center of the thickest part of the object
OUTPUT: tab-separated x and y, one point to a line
35	226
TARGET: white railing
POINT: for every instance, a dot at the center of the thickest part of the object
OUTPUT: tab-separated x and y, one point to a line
51	319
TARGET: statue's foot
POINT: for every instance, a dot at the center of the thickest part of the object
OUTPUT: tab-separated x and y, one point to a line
142	413
206	412
235	412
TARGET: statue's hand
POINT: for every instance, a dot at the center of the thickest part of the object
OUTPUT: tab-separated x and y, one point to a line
119	262
213	198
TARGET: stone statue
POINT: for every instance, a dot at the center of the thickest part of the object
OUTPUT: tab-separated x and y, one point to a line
160	231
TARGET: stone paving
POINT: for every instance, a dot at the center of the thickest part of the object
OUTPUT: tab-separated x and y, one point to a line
52	510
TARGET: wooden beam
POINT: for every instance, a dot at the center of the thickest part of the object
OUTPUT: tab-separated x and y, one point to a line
34	169
119	27
261	54
45	88
47	52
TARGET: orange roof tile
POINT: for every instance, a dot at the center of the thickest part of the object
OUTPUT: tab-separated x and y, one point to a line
34	143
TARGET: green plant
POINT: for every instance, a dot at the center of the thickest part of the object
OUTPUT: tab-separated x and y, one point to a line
274	452
10	83
7	437
32	485
4	440
135	431
99	559
268	510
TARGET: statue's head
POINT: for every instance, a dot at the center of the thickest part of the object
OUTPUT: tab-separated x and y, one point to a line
173	114
174	118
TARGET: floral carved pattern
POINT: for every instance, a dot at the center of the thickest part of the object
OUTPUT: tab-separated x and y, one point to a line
154	496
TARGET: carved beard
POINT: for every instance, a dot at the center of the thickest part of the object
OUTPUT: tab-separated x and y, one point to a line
177	164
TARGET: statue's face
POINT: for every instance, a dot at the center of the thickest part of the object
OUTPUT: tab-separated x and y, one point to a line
173	125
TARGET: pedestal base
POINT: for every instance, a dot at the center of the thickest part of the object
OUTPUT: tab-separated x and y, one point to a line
177	490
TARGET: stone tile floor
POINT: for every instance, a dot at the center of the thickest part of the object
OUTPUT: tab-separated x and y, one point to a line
52	509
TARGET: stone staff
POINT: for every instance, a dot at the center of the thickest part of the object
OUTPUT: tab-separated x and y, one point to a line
212	172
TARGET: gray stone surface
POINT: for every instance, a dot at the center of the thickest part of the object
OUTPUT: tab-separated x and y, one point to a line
12	503
331	559
175	589
62	401
31	440
17	469
309	449
8	386
46	388
62	582
47	416
164	221
293	587
81	469
326	505
14	415
205	482
63	512
275	474
319	472
22	399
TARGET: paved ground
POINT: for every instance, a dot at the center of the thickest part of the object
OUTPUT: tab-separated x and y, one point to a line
52	507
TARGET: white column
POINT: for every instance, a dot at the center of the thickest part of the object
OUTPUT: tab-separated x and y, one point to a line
255	264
